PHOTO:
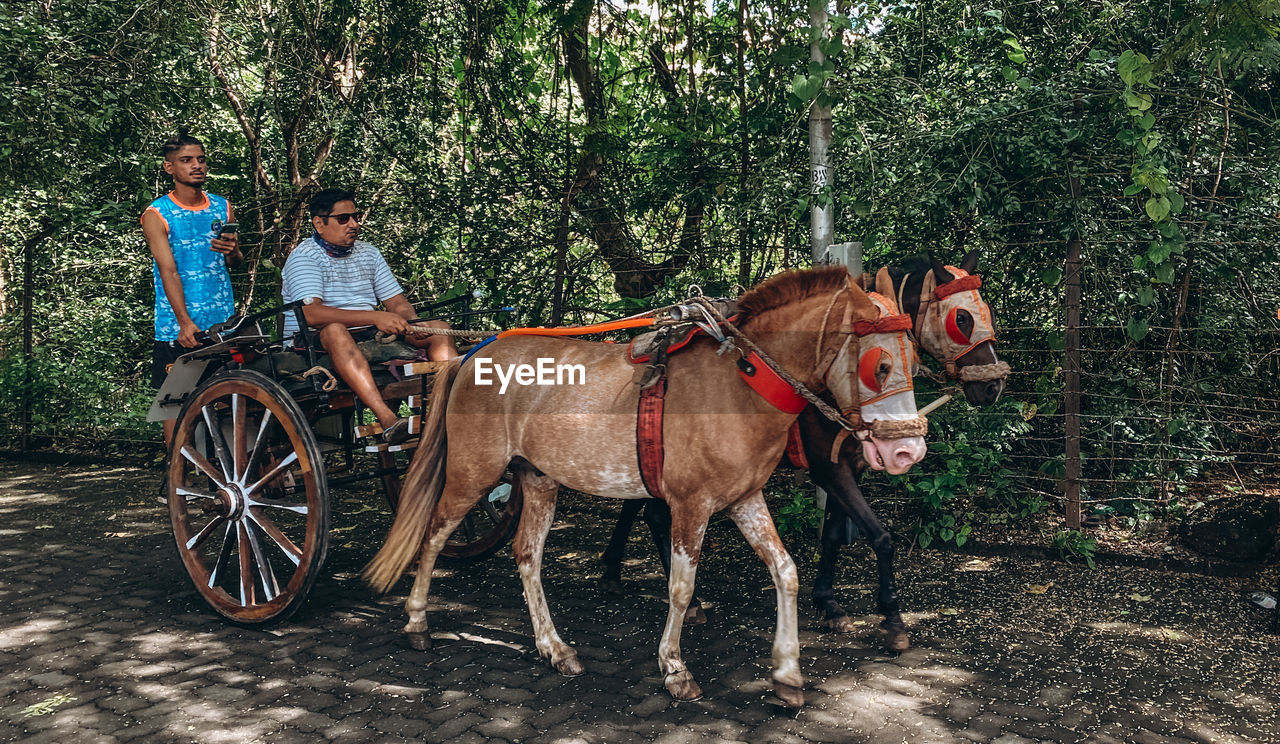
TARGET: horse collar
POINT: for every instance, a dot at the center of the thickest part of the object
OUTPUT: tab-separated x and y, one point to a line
769	385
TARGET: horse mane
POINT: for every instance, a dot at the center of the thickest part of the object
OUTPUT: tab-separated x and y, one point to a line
790	286
915	264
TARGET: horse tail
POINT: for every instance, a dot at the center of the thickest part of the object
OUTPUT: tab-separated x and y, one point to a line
421	490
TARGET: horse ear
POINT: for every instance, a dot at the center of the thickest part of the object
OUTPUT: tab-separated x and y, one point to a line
940	272
970	262
884	283
863	307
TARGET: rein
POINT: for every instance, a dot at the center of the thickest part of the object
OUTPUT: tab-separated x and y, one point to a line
823	407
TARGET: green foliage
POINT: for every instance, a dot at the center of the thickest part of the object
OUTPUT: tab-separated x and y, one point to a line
486	167
1074	544
795	511
968	471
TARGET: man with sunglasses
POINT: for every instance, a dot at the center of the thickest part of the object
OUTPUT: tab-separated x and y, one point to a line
342	280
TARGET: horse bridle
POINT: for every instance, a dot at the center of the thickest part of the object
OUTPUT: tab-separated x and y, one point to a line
890	322
931	292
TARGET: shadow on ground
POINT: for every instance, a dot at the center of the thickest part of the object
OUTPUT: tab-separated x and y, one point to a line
102	638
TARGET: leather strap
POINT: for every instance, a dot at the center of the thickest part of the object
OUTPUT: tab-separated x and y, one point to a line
795	447
769	385
649	450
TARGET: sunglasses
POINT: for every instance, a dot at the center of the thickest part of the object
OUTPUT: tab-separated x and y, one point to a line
344	218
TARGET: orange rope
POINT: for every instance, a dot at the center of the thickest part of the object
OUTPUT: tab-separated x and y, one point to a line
579	330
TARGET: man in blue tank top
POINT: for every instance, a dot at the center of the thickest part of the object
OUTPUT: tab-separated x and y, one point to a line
191	253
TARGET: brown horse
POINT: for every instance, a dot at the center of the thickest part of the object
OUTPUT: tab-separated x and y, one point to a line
721	440
953	324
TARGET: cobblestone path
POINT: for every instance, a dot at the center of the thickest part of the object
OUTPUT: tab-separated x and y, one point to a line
103	639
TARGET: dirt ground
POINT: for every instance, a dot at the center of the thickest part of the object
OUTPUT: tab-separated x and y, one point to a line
102	638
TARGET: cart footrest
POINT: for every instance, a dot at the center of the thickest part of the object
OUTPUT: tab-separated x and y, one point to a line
373	430
404	446
410	369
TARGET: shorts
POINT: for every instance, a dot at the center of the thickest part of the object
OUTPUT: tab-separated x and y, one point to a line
163	355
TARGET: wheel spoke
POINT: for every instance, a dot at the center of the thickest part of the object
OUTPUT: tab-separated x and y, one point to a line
192	495
259	444
270	587
223	555
246	572
469	528
195	542
279	468
219	443
281	540
239	444
490	510
206	467
278	504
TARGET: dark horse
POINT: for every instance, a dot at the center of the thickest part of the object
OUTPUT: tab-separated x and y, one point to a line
954	325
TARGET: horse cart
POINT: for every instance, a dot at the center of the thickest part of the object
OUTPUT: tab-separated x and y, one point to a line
264	430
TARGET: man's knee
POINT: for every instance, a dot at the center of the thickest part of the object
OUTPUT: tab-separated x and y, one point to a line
335	335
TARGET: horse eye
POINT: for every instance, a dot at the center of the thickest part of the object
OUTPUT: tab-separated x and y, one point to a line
959	325
870	369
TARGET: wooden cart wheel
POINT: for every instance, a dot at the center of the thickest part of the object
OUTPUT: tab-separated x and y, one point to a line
248	498
488	526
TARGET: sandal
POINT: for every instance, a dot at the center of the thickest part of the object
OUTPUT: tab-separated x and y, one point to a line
397	433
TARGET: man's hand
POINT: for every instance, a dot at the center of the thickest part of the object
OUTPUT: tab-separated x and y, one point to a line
228	244
187	334
390	323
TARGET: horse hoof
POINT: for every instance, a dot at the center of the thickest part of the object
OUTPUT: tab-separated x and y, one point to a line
897	640
569	666
895	635
682	687
841	624
419	641
695	615
611	586
790	695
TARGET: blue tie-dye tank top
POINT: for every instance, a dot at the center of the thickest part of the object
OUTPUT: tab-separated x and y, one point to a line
206	285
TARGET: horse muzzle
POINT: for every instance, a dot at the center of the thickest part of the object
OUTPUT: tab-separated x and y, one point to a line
894	445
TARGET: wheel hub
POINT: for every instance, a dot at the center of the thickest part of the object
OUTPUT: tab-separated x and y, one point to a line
231	501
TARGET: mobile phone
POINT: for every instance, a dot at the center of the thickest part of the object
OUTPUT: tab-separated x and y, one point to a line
229	228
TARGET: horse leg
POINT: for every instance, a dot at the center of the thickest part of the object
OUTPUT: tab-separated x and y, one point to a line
753	520
824	593
535	522
455	502
658	516
838	481
845	490
612	558
882	543
686	542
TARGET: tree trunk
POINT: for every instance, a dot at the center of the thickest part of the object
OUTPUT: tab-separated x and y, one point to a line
633	276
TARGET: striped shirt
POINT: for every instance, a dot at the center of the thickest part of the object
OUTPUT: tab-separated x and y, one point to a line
358	281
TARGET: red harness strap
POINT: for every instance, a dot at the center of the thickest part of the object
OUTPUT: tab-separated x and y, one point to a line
795	448
777	391
649	436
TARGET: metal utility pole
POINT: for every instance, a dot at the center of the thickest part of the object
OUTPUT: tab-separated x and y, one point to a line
821	219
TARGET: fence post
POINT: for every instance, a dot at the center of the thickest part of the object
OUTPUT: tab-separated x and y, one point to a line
1071	355
28	250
